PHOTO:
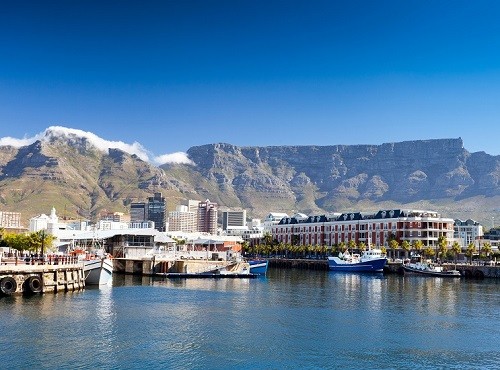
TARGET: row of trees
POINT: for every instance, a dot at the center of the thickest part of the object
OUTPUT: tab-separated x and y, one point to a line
441	251
35	242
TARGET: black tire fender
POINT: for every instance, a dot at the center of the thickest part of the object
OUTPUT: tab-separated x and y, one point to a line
8	285
34	284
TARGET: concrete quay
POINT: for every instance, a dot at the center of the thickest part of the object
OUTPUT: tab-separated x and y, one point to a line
39	279
172	267
466	270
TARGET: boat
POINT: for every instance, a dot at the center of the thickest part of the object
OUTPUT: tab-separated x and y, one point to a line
371	260
429	269
97	270
258	266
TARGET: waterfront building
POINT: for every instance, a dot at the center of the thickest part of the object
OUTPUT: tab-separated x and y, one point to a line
372	229
466	232
252	235
207	217
234	219
182	219
271	220
156	211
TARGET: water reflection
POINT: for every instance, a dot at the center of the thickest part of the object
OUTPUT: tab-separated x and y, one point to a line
289	319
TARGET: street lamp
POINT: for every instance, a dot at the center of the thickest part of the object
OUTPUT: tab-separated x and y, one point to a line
42	236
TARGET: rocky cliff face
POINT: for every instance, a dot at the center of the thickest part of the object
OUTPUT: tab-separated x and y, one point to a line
331	178
72	174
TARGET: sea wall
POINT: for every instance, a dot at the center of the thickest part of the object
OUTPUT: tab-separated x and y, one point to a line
37	279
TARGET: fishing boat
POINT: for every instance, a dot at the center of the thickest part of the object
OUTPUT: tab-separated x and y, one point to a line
97	266
98	270
258	266
429	269
371	260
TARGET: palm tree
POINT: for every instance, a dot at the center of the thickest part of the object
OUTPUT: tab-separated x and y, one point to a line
471	249
486	250
405	244
342	247
429	252
324	251
393	243
351	244
362	247
268	238
417	246
455	247
383	250
443	245
245	246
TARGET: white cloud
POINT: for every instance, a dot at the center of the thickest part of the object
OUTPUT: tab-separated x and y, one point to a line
177	157
17	143
101	144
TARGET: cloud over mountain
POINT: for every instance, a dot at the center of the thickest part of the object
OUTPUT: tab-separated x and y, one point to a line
100	143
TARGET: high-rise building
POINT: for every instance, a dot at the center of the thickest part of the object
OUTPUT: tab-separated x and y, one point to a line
182	219
138	212
192	205
207	217
156	211
234	219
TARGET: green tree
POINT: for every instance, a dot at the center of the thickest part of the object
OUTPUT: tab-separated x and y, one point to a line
471	249
442	246
417	246
268	238
393	244
455	247
486	250
429	252
383	249
362	247
405	245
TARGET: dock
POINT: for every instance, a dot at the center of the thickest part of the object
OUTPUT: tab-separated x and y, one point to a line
177	268
180	275
41	278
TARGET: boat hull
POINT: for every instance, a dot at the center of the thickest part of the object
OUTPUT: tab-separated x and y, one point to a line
258	267
375	265
452	274
98	271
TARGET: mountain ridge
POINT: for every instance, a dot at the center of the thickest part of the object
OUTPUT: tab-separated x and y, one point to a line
80	179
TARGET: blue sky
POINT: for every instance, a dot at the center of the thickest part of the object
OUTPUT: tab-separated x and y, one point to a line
175	74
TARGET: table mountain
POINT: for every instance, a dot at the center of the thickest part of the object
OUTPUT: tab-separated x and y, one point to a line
80	180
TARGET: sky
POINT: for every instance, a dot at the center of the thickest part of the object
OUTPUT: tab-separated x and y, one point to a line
169	75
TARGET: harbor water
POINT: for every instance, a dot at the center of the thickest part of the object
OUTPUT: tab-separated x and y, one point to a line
287	320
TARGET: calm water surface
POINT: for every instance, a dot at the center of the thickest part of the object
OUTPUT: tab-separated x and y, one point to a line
290	319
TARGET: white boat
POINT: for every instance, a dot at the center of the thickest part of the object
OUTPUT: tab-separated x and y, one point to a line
428	269
372	260
98	270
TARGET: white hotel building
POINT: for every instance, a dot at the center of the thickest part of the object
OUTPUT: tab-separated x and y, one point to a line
374	229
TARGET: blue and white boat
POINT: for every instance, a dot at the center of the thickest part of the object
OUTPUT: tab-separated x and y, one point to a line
372	260
258	267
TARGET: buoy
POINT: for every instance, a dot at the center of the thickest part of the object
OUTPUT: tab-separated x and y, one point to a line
8	285
34	284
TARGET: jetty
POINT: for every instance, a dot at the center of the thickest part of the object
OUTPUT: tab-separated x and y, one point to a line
182	268
40	276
